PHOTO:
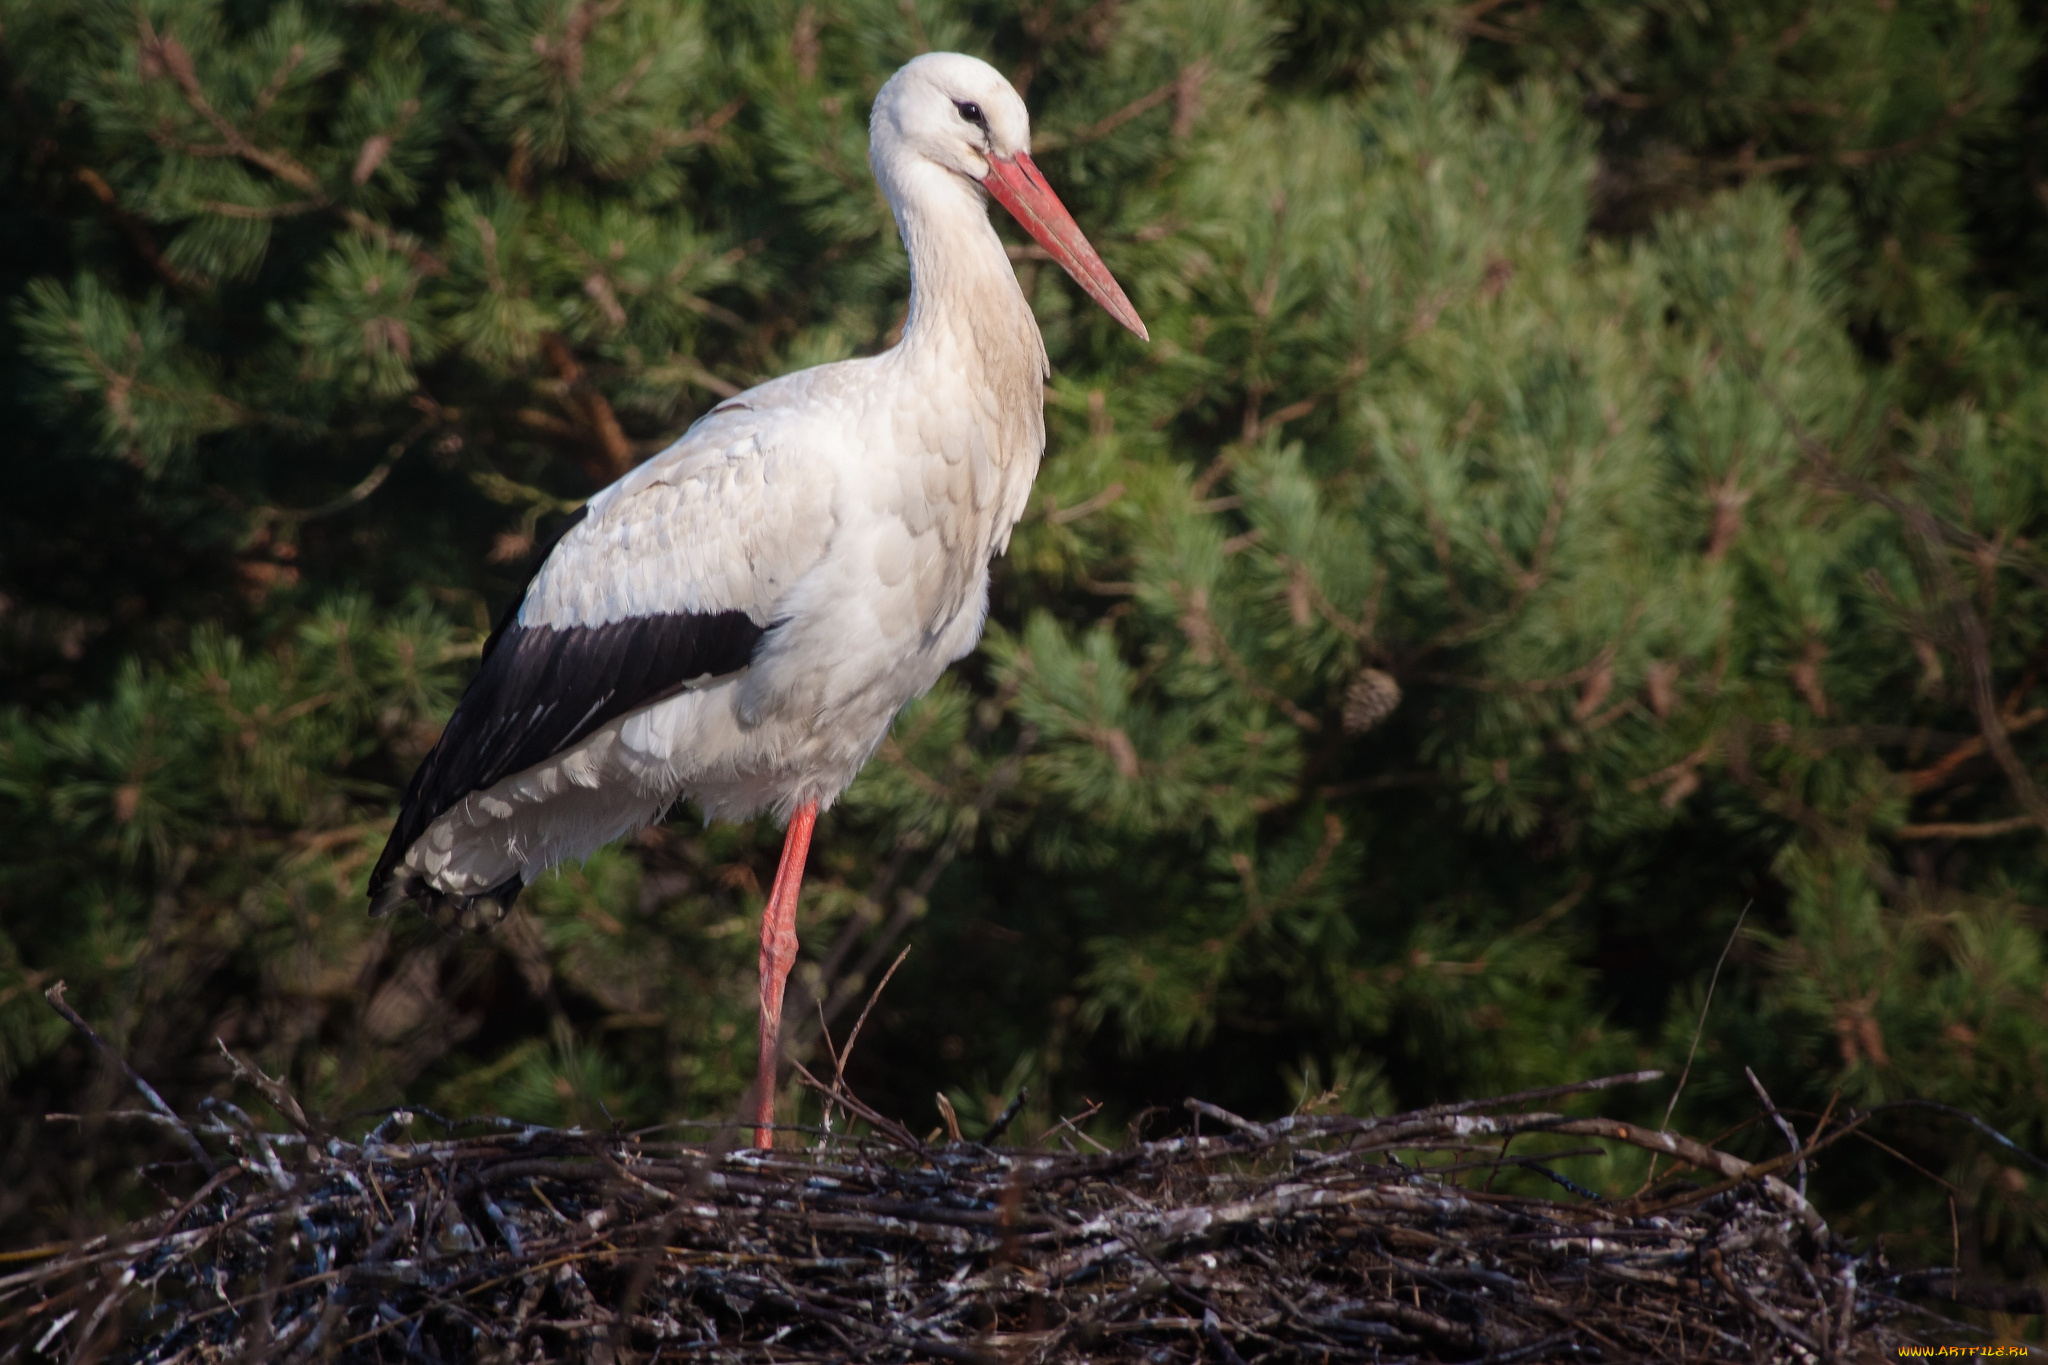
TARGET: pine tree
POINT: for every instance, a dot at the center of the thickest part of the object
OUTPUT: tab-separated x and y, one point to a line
1585	490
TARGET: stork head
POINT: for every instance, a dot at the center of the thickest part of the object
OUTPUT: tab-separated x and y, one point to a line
957	114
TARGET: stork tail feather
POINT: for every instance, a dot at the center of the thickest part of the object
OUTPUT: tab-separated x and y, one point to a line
464	914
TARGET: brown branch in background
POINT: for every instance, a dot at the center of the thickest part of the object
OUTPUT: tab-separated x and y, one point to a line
377	146
55	995
1092	26
404	243
370	482
692	370
1976	653
1471	19
158	54
1302	580
1746	165
136	231
1728	498
608	453
1184	89
1936	536
1829	473
1261	909
261	212
1257	425
703	133
568	54
1519	687
274	87
1208	641
1937	774
1211	473
437	9
720	313
1989	829
1940	772
1060	516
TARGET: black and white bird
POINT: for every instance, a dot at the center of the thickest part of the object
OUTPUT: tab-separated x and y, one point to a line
738	620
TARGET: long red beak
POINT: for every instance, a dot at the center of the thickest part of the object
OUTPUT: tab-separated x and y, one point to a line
1018	187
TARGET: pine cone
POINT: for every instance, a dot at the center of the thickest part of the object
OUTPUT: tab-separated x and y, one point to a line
1370	699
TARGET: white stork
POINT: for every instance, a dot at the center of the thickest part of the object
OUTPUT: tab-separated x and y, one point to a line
739	619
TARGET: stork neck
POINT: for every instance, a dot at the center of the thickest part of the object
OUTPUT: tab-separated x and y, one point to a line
964	299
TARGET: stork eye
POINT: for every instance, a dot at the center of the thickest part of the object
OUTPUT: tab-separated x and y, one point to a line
971	111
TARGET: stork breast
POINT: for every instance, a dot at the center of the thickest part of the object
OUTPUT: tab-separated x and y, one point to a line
892	553
916	505
943	483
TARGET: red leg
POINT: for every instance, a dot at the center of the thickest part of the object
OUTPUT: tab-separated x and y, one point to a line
778	955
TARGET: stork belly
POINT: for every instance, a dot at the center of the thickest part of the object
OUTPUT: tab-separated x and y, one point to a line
624	775
567	807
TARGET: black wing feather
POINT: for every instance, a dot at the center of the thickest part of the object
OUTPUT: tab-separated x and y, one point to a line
541	689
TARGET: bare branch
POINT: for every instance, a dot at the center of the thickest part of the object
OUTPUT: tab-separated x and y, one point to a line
55	995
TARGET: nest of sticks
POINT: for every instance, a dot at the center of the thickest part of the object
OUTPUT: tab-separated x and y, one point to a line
1323	1238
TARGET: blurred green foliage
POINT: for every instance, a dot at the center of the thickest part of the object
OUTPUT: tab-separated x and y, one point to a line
1588	480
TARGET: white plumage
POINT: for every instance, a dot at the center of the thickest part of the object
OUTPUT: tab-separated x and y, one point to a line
738	620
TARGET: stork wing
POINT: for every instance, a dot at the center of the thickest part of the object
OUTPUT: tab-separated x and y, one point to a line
667	578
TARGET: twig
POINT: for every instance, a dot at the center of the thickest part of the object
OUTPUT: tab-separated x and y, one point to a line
837	995
55	995
281	1099
1784	1126
1258	1131
951	1116
838	1067
2024	1299
1956	1244
1980	1125
1755	1305
1549	1092
1697	1030
1090	1112
1008	1116
1212	1332
902	1136
846	1053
